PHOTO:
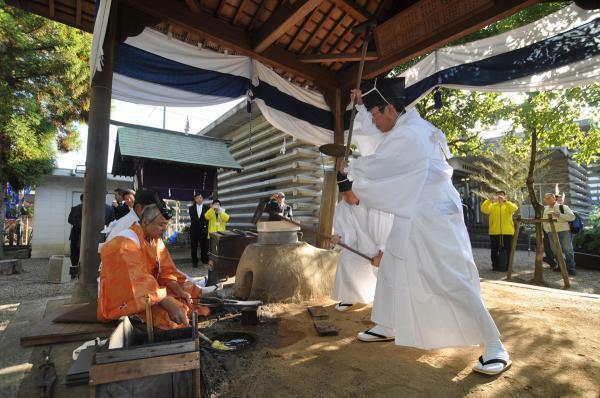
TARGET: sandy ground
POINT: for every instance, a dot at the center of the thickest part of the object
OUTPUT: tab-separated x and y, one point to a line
553	337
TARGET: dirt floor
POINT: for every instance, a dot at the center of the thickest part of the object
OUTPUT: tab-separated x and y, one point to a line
553	337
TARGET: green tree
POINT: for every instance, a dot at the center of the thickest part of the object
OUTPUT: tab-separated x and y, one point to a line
463	117
551	119
44	94
504	169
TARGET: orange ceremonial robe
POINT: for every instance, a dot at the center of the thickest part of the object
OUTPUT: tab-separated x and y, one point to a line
131	272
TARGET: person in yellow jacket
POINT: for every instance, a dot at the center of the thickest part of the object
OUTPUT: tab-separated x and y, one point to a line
216	217
502	228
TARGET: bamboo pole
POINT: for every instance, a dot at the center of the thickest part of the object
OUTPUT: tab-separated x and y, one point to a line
513	248
559	256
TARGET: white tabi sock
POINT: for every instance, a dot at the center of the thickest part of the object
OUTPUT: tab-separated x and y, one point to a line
494	349
382	330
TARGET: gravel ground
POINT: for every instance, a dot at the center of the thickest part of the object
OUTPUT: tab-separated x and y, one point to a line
32	283
586	281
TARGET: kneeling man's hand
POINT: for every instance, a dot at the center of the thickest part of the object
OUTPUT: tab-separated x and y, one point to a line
176	313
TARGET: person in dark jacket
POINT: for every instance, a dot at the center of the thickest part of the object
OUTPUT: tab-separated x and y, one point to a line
123	202
198	230
277	207
74	219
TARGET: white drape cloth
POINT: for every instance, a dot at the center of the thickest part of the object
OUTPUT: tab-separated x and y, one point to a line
428	284
575	74
366	230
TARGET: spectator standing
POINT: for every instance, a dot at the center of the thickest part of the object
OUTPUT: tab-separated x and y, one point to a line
501	228
128	200
216	217
75	217
563	215
470	203
277	207
120	208
198	230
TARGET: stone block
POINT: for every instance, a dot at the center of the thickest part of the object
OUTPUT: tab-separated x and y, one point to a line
9	267
58	269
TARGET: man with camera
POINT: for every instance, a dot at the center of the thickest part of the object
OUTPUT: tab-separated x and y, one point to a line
501	228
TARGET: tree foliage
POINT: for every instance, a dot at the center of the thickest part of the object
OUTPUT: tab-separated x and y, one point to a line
44	90
505	169
463	117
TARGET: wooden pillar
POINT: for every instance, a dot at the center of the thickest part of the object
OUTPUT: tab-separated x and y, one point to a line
329	196
329	193
94	191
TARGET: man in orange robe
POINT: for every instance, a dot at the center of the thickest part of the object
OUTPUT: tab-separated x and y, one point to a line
136	265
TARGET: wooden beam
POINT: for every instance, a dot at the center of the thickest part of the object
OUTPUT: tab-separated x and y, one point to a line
300	30
445	35
317	29
350	8
194	6
78	11
255	16
281	21
219	9
51	8
232	37
341	37
59	16
327	58
333	29
239	12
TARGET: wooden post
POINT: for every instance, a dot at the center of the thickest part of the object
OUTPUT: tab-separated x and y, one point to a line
329	193
559	255
96	163
513	248
328	202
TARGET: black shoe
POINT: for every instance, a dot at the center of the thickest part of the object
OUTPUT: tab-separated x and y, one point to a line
572	272
556	269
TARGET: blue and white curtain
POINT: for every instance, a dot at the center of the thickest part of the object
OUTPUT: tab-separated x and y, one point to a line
560	50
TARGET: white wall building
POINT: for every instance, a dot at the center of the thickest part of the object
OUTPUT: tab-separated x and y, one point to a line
54	197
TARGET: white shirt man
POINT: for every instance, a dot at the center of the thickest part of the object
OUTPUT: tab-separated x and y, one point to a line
563	215
365	230
427	293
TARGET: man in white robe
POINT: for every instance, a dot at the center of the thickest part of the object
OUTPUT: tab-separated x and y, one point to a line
366	230
427	293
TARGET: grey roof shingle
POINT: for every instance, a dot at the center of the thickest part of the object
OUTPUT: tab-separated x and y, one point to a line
150	143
